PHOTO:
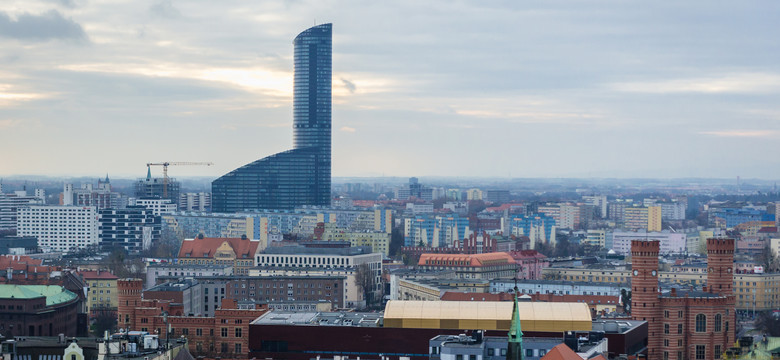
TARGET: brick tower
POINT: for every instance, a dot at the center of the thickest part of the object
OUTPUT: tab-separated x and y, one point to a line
720	266
720	279
645	303
128	297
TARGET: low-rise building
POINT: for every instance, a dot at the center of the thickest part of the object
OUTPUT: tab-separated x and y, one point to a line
472	266
238	252
101	292
184	271
557	287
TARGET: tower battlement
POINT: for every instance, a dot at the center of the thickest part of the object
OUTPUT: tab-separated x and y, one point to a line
645	247
720	246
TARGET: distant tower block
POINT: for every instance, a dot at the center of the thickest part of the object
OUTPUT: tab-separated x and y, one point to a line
645	303
720	266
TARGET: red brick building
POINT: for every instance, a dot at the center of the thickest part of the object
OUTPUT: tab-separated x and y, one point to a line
685	324
225	335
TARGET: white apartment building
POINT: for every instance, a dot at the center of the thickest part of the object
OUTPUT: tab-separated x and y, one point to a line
59	228
670	242
194	201
9	203
158	206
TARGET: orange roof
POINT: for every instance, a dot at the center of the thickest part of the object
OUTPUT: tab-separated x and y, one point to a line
465	296
207	247
561	352
25	263
485	259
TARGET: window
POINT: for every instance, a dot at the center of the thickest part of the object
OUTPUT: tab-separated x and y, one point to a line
700	351
701	324
666	328
666	342
666	313
491	351
666	355
459	357
503	352
224	332
238	348
717	351
679	328
529	352
224	347
238	332
679	342
199	332
718	320
679	314
472	357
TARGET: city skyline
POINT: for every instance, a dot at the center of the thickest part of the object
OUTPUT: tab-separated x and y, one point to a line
508	90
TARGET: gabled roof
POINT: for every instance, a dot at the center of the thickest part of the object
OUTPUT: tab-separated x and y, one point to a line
207	247
485	259
98	275
561	352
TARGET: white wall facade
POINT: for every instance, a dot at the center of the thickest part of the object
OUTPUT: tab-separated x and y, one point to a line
59	228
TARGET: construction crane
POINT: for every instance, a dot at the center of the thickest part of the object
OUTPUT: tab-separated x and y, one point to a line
165	170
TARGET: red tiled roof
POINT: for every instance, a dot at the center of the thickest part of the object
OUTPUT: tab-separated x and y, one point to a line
95	275
465	259
768	229
207	247
465	296
561	352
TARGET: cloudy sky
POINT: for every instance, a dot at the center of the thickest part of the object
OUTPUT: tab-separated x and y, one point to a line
448	88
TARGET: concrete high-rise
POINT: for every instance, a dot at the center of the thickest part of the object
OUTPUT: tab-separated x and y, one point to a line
300	176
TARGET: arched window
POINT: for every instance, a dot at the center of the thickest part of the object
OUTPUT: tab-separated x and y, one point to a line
718	320
701	323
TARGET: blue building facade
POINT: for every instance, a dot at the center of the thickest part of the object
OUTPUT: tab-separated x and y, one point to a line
301	176
734	217
440	230
525	223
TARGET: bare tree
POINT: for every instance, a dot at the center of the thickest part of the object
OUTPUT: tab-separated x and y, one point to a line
768	259
364	279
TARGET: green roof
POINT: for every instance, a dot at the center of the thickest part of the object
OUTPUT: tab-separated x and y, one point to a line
54	294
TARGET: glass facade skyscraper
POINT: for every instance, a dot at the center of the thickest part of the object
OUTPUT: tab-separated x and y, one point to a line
300	176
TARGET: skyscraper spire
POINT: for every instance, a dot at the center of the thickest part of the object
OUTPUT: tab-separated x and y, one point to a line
515	341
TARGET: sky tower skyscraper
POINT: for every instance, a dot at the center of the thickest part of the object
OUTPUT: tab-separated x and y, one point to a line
300	176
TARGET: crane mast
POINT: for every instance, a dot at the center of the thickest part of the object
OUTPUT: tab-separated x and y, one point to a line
175	163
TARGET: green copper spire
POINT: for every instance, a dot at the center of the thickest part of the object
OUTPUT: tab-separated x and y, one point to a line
515	341
148	172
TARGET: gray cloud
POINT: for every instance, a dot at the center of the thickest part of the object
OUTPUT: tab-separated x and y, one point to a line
349	85
636	91
46	26
164	9
71	4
